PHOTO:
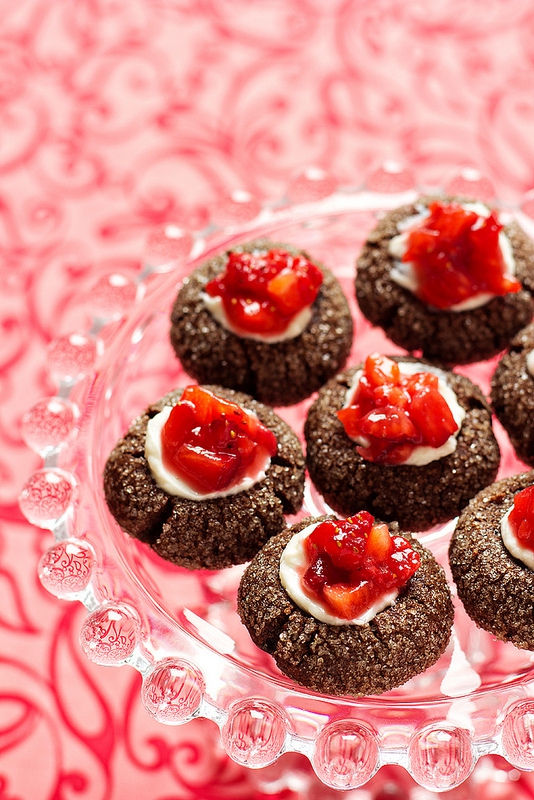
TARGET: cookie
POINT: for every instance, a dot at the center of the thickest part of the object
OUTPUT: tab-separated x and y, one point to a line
278	373
512	394
212	533
400	642
443	335
496	589
417	497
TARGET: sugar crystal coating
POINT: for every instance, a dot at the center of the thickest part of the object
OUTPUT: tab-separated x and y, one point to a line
416	497
212	534
450	337
397	644
512	394
496	590
280	373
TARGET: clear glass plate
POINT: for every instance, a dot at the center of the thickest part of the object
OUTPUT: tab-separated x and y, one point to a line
179	628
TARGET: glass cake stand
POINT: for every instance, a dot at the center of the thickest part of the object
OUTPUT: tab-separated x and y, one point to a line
179	628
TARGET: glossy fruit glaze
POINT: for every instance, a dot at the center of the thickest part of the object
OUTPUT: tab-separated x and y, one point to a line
521	518
211	443
395	413
262	292
354	562
456	255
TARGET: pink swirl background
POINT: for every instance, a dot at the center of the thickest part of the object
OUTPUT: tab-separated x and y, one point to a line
118	115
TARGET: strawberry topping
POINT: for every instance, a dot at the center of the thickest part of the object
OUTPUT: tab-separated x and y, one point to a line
211	443
392	413
262	292
521	518
354	562
456	255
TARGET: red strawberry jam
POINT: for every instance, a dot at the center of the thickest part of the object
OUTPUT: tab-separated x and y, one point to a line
456	255
354	562
211	443
521	518
262	292
393	413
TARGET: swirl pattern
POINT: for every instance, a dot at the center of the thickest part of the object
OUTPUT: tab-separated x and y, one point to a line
119	117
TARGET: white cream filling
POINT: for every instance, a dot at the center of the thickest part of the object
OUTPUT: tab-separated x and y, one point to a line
422	454
293	565
297	325
513	545
404	274
172	484
530	363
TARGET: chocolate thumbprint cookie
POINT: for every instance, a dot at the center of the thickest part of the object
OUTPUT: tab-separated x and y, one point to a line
491	555
347	607
205	476
401	438
512	393
264	318
446	277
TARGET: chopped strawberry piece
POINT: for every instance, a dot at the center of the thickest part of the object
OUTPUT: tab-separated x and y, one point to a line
391	395
391	413
404	561
347	602
211	443
262	292
521	518
285	290
380	370
206	471
244	446
342	540
350	418
201	402
379	543
353	562
252	315
387	422
420	380
432	416
320	572
456	255
180	423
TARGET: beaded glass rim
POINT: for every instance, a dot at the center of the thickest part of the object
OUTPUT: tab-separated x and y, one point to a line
347	741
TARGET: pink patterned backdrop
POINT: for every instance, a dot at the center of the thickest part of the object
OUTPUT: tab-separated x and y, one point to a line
118	115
